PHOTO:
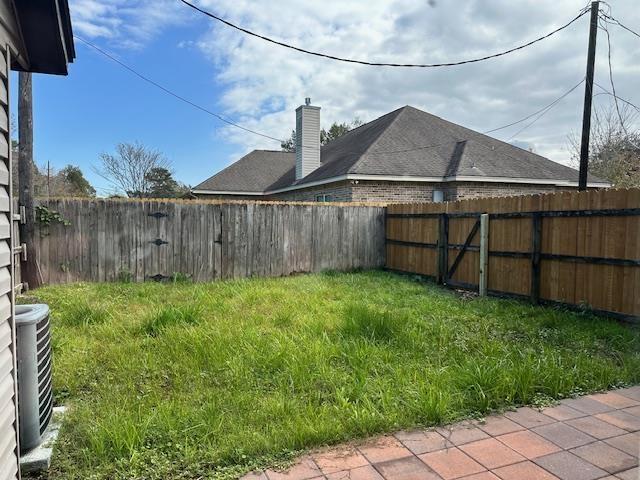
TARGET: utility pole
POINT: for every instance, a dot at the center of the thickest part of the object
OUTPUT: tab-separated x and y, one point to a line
28	268
48	180
588	96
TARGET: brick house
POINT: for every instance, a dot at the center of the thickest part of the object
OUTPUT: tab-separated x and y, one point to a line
407	155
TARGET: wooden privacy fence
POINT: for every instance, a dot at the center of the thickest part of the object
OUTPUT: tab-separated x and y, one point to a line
103	240
575	248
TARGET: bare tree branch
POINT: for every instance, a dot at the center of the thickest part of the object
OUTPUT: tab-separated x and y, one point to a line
614	154
128	170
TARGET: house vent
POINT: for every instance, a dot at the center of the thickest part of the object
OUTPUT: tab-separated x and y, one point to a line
35	390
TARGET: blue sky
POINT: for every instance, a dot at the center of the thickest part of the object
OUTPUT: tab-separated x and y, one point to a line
99	103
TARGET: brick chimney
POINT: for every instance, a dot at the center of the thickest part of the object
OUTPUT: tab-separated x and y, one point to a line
307	139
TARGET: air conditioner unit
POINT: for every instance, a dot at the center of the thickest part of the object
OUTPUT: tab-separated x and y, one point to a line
35	389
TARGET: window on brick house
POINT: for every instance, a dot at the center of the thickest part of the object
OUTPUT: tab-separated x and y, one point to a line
324	198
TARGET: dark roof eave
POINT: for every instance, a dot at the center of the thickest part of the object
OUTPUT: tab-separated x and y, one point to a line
47	33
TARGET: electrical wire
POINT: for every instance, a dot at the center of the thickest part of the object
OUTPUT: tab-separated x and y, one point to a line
546	110
379	64
606	18
603	26
173	94
612	20
551	105
607	92
543	111
540	112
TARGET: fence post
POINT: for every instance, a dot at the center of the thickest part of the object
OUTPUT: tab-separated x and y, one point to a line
484	255
443	247
536	240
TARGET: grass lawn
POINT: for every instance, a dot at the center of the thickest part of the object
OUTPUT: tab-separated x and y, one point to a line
210	380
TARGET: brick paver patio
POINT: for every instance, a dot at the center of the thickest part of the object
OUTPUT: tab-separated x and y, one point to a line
596	436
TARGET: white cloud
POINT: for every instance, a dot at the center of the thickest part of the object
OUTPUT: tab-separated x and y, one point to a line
128	24
263	83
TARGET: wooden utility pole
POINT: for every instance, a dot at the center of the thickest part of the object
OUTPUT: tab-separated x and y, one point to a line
28	268
588	96
48	180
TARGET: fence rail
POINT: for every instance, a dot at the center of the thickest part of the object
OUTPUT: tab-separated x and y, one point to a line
575	248
103	240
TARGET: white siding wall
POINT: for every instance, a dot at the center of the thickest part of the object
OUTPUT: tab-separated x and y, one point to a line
12	52
307	140
8	397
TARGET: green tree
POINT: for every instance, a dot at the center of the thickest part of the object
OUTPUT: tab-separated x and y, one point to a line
161	184
68	182
76	185
289	145
336	130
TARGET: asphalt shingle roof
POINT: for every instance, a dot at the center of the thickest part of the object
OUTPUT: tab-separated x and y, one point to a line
405	142
254	172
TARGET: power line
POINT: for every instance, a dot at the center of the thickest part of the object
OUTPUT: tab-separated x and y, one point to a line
379	64
618	23
607	92
606	18
542	111
613	87
603	26
551	105
545	110
173	94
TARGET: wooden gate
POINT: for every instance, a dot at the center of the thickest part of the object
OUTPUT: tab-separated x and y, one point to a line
447	271
579	249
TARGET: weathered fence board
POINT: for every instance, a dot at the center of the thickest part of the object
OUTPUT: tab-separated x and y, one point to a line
107	240
576	248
